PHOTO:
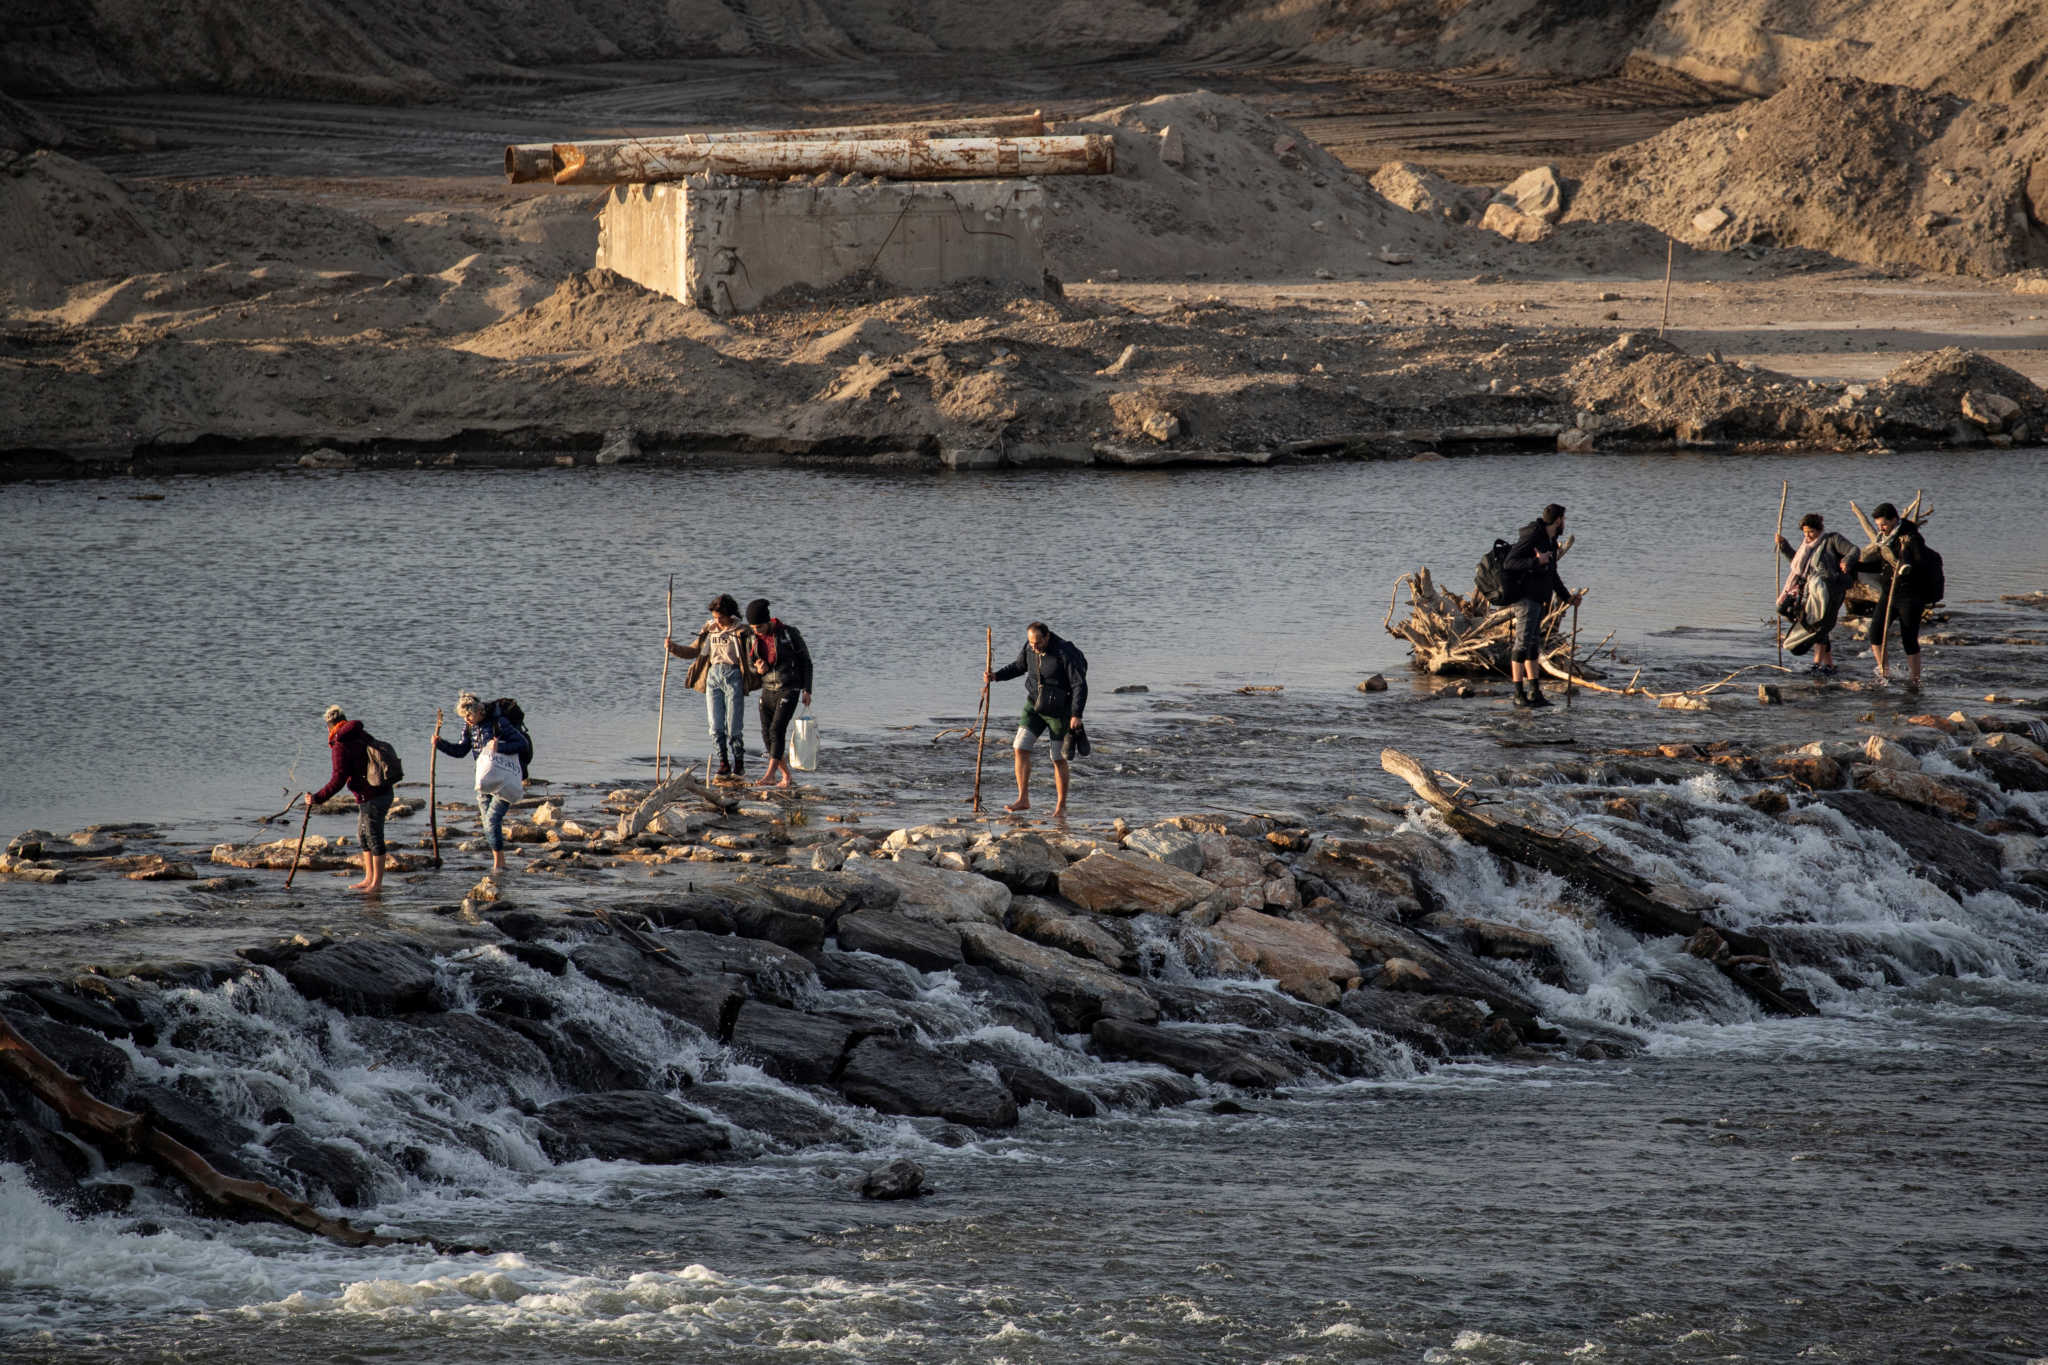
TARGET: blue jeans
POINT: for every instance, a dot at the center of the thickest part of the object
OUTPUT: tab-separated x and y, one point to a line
728	719
491	809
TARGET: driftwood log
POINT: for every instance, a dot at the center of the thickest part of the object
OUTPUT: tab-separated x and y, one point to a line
1450	634
1636	901
130	1135
669	793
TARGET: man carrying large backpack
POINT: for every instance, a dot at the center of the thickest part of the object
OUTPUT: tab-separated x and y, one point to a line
1913	580
1055	677
1532	580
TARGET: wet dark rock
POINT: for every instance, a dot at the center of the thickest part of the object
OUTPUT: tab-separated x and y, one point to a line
707	1001
1504	942
2014	772
1076	991
898	1077
1008	1001
792	1046
827	895
1260	1009
197	976
1161	1090
343	1174
869	1013
1447	967
1191	1053
364	976
582	1058
1961	860
1027	1083
1817	771
100	1017
203	1128
630	1125
540	957
900	1179
1056	924
776	973
465	1054
1769	801
787	1121
527	926
866	972
501	990
1334	1053
952	1135
925	946
791	928
692	910
105	1070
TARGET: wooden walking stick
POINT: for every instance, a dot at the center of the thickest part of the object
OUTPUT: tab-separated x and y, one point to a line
300	851
1670	247
1570	683
1777	582
1884	627
981	744
661	706
433	791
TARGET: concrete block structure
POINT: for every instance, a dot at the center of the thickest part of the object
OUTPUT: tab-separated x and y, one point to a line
727	249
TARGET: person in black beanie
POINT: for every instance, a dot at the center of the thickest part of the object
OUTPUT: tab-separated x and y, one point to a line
778	654
1532	565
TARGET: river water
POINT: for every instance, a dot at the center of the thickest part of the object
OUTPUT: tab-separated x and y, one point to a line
1861	1186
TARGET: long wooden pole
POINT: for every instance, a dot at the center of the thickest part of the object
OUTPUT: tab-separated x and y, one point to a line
661	706
1777	582
1569	688
433	789
1669	247
981	744
298	852
1884	627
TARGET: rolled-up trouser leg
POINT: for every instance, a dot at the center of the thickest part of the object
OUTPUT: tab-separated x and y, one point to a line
1528	631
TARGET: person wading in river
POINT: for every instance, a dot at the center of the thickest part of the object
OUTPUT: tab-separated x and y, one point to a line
1055	677
1905	570
720	671
349	743
780	658
1532	566
483	725
1812	596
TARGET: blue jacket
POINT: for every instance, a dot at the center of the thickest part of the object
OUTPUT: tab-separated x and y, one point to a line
494	726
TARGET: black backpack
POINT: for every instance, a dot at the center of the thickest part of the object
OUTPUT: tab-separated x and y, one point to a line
511	710
381	764
1492	580
1933	584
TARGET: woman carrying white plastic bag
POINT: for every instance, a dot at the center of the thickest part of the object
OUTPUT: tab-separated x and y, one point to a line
500	777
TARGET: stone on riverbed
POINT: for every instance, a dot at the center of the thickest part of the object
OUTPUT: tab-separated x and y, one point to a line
364	976
630	1125
900	1179
1077	992
1170	845
924	945
787	1121
1127	884
827	895
1305	960
791	1046
898	1077
940	895
1916	788
1044	922
776	973
708	1000
1022	862
1190	1053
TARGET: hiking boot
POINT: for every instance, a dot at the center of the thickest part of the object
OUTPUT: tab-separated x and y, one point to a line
724	773
1536	697
1522	698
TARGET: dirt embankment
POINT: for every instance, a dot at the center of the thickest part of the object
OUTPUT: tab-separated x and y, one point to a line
1882	174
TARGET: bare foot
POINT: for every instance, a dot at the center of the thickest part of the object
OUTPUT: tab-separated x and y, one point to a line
1059	812
1022	803
359	886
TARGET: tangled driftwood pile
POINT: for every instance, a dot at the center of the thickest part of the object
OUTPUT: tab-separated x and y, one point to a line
1453	634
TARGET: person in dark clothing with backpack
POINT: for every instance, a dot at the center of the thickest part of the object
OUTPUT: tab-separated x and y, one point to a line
1533	580
1913	582
350	743
1055	677
484	725
783	662
1811	598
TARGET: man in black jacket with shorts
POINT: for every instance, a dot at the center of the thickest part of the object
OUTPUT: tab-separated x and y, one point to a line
1532	567
1055	677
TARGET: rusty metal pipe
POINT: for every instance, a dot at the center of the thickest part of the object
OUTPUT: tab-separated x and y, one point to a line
529	161
963	158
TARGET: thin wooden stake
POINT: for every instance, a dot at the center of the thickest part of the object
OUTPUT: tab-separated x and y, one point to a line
433	789
981	745
298	852
1670	246
1569	685
661	706
1777	582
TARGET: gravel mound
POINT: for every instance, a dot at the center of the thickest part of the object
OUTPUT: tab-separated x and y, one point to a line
1885	175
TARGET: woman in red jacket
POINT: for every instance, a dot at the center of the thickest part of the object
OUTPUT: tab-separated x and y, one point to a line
350	745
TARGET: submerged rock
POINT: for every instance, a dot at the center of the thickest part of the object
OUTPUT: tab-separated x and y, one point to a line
898	1077
365	976
630	1125
1191	1053
900	1179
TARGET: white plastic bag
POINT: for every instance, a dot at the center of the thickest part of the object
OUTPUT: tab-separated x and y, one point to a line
803	743
498	774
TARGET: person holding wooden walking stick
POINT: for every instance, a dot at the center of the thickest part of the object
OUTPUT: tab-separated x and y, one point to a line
981	743
1777	584
1055	675
434	789
661	704
1914	583
351	746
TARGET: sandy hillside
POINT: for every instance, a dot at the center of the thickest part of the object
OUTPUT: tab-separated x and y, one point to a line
1882	174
